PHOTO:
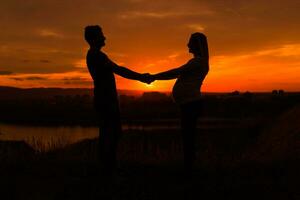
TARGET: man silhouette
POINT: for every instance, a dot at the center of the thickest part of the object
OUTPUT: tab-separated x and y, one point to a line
106	102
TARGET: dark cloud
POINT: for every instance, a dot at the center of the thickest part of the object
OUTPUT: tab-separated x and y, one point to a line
40	61
45	61
17	79
76	83
6	73
29	78
33	78
38	67
75	79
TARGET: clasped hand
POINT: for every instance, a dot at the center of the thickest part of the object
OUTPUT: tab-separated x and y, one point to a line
147	78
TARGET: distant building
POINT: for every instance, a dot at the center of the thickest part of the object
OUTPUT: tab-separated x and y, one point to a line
235	93
154	96
278	92
126	98
248	94
275	92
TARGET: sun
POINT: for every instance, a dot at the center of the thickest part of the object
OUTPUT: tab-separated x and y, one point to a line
149	85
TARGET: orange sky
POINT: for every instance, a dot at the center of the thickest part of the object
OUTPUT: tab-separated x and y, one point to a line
254	45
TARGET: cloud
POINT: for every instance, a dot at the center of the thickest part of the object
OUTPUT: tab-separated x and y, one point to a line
160	15
49	33
173	55
284	50
40	68
196	27
34	78
29	78
31	61
265	65
78	81
17	79
45	61
80	63
75	79
6	73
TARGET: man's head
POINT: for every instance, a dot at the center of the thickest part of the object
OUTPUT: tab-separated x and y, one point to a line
94	36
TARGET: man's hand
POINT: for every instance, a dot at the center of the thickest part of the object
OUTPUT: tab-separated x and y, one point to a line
147	78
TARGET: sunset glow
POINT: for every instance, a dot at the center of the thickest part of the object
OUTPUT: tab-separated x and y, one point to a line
254	45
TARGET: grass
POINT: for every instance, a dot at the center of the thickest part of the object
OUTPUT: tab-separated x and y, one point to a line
41	146
150	168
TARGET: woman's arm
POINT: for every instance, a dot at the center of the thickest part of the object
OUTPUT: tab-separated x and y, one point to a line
189	67
170	74
167	75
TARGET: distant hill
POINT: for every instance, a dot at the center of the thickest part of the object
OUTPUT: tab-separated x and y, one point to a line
280	140
33	93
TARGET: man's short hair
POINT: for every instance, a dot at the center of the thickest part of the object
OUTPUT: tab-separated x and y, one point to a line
92	32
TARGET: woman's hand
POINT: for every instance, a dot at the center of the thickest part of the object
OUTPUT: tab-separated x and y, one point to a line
147	78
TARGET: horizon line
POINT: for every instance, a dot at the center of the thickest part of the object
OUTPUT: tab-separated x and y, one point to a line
161	91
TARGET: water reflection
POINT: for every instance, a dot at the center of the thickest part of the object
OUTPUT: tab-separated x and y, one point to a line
43	136
46	136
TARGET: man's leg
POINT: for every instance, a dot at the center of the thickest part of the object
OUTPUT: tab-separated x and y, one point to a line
109	134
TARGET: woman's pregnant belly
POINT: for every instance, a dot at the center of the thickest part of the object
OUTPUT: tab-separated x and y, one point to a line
186	91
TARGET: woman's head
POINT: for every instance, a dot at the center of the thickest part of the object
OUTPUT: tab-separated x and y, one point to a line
198	44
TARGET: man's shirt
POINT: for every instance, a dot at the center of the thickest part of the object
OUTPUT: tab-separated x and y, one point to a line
101	70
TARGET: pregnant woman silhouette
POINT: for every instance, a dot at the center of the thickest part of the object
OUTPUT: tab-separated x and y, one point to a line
186	92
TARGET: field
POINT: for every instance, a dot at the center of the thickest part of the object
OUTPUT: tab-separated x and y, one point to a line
150	167
247	148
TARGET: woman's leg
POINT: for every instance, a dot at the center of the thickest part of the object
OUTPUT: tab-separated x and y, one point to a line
189	116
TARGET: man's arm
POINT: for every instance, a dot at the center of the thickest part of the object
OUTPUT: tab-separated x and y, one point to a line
126	73
129	74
